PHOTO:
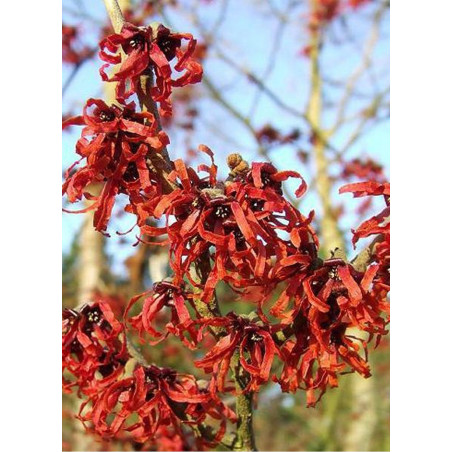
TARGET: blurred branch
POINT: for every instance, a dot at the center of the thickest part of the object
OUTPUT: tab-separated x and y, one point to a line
72	75
216	94
360	70
367	119
271	63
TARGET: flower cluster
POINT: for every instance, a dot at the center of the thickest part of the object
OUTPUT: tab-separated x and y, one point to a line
364	169
93	346
117	145
149	51
324	11
255	345
169	297
244	225
149	399
270	136
332	299
379	227
73	52
152	399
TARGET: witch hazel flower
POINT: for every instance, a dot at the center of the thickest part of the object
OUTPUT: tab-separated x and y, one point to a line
168	297
94	348
116	145
73	51
149	399
149	51
332	299
379	227
254	342
240	223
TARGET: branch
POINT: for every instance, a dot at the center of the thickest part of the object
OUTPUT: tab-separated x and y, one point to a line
234	112
364	258
244	408
365	64
115	13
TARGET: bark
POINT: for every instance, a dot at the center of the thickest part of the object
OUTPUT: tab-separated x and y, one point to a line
92	258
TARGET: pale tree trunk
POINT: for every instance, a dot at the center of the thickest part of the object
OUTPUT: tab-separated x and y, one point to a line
92	258
359	392
91	266
364	417
158	264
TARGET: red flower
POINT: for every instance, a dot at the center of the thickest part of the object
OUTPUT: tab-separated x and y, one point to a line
330	300
240	223
164	295
323	11
254	342
355	4
378	225
153	397
168	439
148	49
366	189
363	169
270	136
116	143
92	347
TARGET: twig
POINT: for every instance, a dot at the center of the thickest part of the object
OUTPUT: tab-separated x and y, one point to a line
365	64
244	408
71	77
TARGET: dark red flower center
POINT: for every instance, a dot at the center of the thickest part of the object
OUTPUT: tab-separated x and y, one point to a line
131	173
332	273
257	205
106	116
256	337
222	212
94	315
137	42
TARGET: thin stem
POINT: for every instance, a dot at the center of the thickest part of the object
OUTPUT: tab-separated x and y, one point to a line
71	76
